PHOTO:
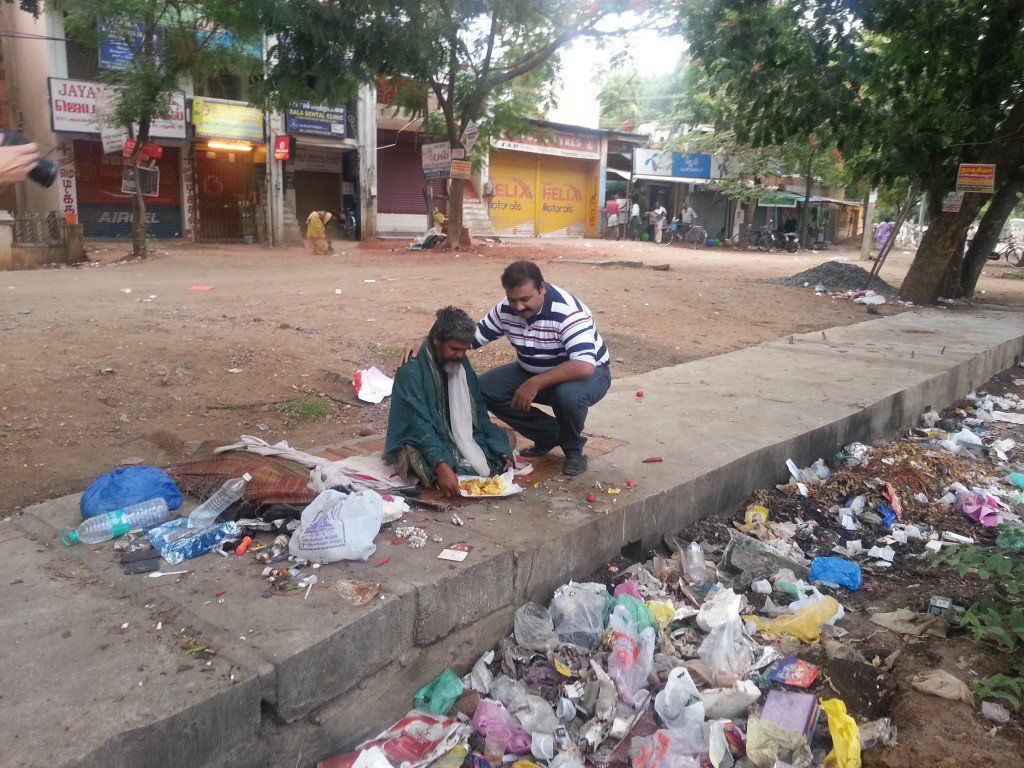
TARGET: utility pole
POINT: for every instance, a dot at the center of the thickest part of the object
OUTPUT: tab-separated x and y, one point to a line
366	128
869	220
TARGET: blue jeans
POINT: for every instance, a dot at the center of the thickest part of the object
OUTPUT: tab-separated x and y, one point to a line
570	401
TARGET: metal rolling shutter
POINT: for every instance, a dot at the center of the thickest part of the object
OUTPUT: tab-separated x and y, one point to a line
399	174
514	204
564	194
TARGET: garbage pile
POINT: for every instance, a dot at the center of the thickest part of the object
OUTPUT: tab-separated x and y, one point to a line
699	655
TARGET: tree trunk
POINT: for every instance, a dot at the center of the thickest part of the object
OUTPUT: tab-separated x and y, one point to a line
749	212
139	247
989	228
940	250
455	213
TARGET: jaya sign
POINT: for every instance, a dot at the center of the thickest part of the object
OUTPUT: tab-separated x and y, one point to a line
559	143
437	160
73	109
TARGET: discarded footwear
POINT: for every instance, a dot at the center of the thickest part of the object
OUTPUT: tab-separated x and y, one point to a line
574	465
535	451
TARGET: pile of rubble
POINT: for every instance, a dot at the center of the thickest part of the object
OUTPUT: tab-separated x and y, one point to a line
700	654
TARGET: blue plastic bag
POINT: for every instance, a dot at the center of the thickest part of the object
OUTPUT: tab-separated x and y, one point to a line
889	516
835	570
128	485
176	550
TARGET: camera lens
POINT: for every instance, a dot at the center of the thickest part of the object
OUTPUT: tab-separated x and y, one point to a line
45	172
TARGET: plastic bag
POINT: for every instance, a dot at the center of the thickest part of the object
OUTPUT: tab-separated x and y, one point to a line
632	655
727	703
672	748
578	618
726	653
679	702
125	486
835	571
639	613
440	695
480	677
768	743
845	736
663	611
534	629
492	714
719	609
939	682
979	508
177	550
534	714
805	623
338	526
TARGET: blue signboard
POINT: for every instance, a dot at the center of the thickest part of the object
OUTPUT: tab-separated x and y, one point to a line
120	42
316	120
109	221
225	38
691	166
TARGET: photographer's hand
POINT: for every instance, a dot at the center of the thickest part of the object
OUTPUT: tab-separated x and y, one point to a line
16	161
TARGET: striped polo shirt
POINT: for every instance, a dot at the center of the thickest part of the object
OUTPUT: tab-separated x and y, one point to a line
563	330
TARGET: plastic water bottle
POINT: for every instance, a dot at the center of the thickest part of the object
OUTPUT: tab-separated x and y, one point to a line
204	515
144	515
694	568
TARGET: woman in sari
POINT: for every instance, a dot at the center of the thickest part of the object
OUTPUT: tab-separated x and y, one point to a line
316	233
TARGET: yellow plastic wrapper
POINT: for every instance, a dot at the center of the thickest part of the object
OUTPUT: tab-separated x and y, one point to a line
845	736
663	611
453	758
524	764
755	520
804	624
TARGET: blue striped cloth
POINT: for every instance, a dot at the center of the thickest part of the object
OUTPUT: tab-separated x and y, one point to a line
563	330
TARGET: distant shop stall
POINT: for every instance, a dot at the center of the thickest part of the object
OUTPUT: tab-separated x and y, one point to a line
674	178
229	165
97	187
322	171
547	186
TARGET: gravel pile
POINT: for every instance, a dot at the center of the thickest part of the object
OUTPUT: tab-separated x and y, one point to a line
837	276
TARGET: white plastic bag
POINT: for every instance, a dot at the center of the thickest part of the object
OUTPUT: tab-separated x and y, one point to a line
726	653
719	609
578	616
534	629
372	385
727	703
338	526
679	701
632	655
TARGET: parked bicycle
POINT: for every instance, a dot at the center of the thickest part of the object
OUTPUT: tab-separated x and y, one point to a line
693	235
1011	251
765	239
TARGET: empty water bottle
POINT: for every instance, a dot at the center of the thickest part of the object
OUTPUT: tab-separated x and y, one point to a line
110	525
204	515
694	568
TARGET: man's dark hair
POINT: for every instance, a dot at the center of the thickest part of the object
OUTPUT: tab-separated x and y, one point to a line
519	272
452	324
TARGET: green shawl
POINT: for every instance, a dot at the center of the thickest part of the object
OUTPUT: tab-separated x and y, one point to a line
419	417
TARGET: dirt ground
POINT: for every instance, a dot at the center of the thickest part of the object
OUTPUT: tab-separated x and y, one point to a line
112	363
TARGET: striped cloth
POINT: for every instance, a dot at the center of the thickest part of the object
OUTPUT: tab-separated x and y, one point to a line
563	330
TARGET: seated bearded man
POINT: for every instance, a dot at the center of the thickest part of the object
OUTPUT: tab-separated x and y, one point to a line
438	426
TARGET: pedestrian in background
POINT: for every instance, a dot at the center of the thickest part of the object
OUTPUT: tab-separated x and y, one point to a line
634	220
611	212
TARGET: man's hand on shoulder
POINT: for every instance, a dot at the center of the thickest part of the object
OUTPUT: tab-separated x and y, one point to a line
447	482
411	348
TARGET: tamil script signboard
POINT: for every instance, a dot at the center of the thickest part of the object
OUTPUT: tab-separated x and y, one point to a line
976	177
316	120
676	165
74	104
226	120
437	160
121	42
952	202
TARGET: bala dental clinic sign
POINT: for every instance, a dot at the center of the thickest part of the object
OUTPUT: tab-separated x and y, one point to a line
73	110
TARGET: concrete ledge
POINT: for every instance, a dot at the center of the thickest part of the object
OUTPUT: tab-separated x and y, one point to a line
314	676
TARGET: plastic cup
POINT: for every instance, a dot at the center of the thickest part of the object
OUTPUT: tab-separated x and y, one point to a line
495	743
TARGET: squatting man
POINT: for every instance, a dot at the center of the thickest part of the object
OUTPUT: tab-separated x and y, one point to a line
438	425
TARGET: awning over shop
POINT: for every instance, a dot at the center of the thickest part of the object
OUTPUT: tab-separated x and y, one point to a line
617	172
855	203
671	179
779	200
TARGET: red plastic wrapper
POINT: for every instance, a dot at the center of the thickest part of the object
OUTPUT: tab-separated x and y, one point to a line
415	741
792	671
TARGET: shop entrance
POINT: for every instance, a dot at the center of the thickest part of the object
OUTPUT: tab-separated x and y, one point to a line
227	195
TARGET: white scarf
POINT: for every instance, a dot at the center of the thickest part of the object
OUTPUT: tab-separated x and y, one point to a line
460	409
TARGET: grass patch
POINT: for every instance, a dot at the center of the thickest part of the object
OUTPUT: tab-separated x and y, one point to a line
304	408
392	350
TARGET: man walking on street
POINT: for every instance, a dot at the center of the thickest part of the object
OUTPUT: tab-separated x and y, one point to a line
611	212
563	363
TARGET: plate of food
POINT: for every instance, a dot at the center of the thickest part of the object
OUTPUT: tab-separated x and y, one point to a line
489	487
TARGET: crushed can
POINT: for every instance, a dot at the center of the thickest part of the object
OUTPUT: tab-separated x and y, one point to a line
955	614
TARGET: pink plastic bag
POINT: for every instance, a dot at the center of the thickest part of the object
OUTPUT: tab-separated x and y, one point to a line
627	588
981	509
492	714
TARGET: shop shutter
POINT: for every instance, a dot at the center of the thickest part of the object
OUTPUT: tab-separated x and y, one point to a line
399	174
564	197
514	203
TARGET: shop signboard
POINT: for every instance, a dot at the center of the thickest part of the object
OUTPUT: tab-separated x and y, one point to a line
316	120
226	120
312	157
120	42
470	135
461	169
282	147
559	143
437	160
149	180
976	177
75	106
226	39
675	165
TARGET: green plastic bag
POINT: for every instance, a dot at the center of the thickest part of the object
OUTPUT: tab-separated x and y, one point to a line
638	611
645	236
440	695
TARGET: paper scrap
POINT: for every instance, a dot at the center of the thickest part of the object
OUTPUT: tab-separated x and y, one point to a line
372	385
